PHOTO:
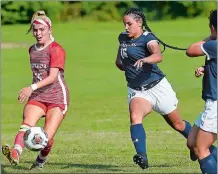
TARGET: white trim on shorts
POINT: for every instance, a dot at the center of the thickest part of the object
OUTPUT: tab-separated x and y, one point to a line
64	92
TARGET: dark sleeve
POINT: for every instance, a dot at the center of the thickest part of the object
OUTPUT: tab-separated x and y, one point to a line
120	37
149	38
210	49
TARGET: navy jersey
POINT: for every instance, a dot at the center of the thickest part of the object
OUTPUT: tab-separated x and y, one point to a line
210	70
130	51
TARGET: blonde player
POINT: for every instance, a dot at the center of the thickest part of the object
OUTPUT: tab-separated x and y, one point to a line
47	95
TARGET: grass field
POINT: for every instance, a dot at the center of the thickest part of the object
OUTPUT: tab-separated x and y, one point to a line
94	137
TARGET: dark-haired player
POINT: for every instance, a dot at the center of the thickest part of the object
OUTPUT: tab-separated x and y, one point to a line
148	88
204	132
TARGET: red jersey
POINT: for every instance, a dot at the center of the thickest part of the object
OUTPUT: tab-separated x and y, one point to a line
52	56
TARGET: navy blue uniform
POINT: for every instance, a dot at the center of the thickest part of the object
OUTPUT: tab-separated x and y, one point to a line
210	70
130	51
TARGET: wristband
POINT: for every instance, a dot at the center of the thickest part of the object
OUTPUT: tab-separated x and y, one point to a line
34	86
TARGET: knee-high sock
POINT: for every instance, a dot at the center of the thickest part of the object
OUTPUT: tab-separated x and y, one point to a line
213	151
138	136
208	164
41	158
19	141
187	129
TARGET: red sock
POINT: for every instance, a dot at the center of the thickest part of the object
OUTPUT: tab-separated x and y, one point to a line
19	141
44	152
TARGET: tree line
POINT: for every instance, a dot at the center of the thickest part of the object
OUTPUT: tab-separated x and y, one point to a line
13	12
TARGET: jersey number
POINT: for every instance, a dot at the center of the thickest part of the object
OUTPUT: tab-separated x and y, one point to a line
38	76
123	53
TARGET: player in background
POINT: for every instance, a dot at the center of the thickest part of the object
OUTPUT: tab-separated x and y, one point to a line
204	131
47	95
148	88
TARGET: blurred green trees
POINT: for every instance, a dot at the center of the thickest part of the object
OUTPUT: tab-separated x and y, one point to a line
21	11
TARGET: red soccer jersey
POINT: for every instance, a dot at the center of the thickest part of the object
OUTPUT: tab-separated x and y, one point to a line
52	56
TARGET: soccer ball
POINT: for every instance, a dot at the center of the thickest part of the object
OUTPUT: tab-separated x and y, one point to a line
35	139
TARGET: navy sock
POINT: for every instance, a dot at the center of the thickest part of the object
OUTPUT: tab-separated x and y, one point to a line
187	129
213	151
208	164
138	136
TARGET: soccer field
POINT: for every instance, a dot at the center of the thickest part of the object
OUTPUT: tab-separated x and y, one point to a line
94	137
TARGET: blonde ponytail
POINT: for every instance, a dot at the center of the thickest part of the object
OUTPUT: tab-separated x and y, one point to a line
39	15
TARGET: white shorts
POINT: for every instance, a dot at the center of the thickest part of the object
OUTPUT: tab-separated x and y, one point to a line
161	96
207	120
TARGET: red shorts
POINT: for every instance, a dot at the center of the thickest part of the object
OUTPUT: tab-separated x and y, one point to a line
46	106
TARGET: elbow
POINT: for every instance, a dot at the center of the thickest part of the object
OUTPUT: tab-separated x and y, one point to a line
192	51
160	58
120	66
189	53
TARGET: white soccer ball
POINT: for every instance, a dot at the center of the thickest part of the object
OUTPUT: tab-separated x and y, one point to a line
35	139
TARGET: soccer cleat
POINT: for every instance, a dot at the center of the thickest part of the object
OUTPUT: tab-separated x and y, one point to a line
193	156
37	166
141	160
11	154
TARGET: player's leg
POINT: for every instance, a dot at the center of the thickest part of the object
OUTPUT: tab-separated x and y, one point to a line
166	105
206	160
175	121
31	114
139	107
207	121
53	120
191	142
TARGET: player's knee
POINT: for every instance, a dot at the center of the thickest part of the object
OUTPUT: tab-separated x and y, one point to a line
136	117
201	150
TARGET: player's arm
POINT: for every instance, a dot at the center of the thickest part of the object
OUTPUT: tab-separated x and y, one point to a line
25	93
118	61
194	50
57	58
51	78
155	57
56	63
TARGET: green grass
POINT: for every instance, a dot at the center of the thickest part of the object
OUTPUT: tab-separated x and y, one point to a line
94	137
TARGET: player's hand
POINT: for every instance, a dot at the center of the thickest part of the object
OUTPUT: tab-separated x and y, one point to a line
24	94
139	63
199	71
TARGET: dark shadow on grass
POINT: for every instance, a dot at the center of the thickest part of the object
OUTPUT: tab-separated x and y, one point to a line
84	166
162	165
18	167
109	168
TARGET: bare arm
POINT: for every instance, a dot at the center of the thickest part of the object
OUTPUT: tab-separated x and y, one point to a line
25	93
53	74
155	57
118	62
194	50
